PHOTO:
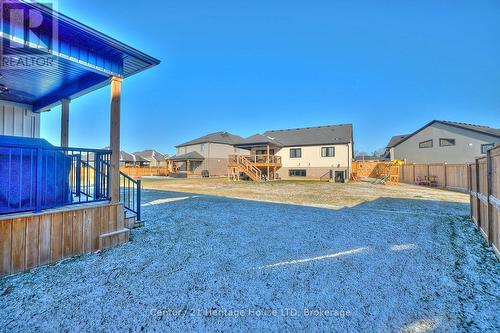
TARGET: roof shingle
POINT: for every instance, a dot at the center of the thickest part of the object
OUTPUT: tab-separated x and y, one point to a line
313	135
396	139
217	137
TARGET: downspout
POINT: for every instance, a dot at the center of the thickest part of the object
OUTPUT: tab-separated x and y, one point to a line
207	157
348	163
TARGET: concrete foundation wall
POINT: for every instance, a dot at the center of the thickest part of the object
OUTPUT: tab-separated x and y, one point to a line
312	173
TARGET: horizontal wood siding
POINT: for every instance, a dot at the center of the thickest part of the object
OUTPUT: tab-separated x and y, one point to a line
39	239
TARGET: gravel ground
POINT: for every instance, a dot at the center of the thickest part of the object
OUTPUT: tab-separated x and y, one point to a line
204	263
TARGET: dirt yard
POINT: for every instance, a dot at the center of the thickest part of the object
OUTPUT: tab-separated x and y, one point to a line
308	193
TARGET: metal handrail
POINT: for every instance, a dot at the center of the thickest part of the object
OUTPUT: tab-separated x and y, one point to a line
72	149
130	193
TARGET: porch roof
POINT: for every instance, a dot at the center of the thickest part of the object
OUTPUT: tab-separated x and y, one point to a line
258	140
191	156
58	59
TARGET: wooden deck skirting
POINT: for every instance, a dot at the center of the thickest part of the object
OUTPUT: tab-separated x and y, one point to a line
29	240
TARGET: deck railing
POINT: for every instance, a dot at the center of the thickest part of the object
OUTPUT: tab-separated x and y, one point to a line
130	190
258	159
130	194
33	178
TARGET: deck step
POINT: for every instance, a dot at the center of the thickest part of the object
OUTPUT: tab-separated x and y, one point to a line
131	221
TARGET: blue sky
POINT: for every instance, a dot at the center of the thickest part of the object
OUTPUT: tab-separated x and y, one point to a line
387	67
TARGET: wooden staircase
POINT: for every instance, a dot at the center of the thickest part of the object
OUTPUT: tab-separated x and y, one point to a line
241	164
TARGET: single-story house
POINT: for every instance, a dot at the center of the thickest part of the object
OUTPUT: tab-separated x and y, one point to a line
128	159
302	153
443	141
154	157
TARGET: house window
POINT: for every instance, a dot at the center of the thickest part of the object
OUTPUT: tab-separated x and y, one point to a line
327	151
264	152
295	152
485	147
446	142
425	144
202	147
297	173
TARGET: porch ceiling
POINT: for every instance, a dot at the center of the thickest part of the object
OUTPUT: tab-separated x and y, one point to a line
73	58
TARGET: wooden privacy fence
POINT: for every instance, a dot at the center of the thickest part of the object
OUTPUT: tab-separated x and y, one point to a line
485	196
136	171
453	177
376	169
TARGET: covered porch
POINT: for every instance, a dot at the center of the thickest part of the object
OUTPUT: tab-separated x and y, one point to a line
186	164
59	201
260	164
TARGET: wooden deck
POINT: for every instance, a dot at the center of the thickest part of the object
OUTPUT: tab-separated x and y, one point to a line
256	167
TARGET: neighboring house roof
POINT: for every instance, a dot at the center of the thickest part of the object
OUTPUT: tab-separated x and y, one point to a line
471	127
313	135
258	139
476	128
396	139
192	156
307	136
152	155
127	157
217	137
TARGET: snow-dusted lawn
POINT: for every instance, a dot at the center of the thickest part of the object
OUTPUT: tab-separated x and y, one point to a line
216	264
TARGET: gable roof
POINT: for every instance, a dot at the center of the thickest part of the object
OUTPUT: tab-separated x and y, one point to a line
476	128
331	134
396	139
152	154
471	127
217	137
192	156
127	157
259	139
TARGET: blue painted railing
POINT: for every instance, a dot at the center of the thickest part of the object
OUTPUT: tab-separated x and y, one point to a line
130	189
36	177
130	194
